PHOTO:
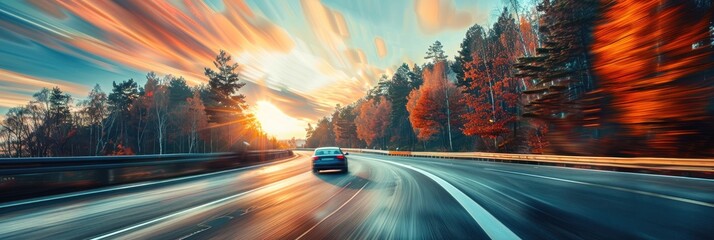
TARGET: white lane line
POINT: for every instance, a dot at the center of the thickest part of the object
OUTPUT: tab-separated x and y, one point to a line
333	212
205	205
493	228
684	200
90	192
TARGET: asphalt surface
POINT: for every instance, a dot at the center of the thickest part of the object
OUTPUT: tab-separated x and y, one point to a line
380	197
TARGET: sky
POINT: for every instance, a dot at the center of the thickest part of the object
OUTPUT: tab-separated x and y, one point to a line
299	58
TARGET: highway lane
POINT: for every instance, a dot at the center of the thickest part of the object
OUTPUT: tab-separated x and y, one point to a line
381	197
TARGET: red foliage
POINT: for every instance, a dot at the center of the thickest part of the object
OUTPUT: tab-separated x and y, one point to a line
647	57
494	97
427	105
373	119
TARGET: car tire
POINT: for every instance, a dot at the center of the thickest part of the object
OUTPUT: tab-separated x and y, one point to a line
345	170
315	171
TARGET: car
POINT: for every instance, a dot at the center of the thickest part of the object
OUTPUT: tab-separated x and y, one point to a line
326	158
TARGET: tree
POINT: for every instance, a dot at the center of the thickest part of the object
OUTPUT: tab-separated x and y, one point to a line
95	108
559	75
121	100
194	120
322	135
471	43
415	77
226	106
59	122
656	73
436	53
179	96
434	107
344	124
399	89
18	131
373	120
156	99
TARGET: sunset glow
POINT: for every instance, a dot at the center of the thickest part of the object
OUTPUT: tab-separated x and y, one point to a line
290	52
275	122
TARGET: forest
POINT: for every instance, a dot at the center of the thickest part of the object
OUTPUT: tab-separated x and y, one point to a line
576	77
163	116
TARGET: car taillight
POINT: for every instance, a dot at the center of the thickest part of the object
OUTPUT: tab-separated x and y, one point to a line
315	158
341	157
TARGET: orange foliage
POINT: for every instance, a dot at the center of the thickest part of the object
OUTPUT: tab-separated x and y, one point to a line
373	119
494	98
647	55
530	38
427	105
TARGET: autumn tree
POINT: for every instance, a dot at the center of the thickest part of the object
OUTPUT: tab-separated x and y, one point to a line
653	61
435	106
473	42
373	120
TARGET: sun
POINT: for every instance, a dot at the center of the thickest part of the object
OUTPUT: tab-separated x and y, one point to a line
275	122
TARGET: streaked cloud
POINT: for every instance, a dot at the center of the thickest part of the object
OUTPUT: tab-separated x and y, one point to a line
438	15
302	56
16	89
380	46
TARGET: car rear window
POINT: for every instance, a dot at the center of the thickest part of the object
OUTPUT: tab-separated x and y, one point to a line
327	152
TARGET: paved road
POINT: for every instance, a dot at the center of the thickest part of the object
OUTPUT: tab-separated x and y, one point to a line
381	197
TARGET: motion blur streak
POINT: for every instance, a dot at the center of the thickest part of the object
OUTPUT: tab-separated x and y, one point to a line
173	38
380	200
649	57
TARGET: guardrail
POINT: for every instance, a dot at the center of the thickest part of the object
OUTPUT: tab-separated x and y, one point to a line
671	166
30	177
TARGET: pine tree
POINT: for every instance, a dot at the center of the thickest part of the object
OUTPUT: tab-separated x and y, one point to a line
436	52
225	105
120	101
472	41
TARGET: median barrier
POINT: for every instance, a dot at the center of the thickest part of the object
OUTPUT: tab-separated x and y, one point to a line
30	177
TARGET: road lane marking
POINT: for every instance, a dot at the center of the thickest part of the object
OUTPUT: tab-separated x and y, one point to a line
129	186
492	226
333	212
685	200
205	205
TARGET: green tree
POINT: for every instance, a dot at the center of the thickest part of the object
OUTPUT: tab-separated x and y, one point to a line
225	105
436	53
121	100
59	123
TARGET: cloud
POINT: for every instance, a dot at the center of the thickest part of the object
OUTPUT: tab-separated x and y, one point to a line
438	15
305	76
167	38
381	47
16	89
